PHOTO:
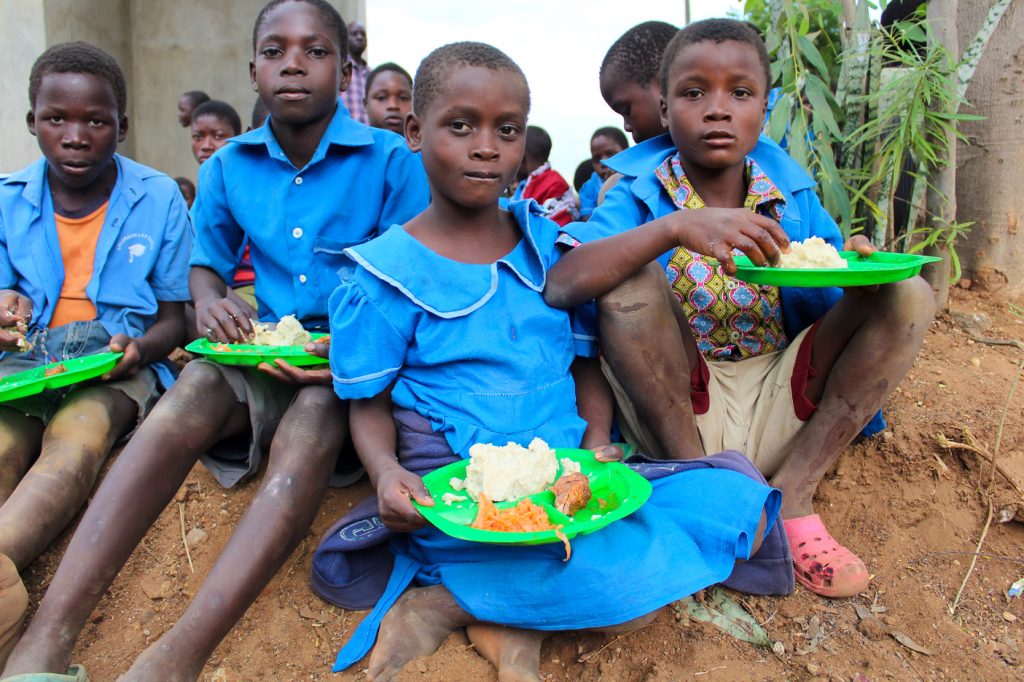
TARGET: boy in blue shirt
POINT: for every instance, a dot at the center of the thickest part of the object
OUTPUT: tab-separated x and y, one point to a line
788	376
300	189
93	254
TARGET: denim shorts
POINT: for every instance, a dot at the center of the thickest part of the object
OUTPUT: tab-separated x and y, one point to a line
69	341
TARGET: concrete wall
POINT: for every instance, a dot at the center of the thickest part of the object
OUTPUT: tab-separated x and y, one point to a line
165	48
22	38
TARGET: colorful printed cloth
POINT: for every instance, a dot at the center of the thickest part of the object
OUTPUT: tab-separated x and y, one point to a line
730	319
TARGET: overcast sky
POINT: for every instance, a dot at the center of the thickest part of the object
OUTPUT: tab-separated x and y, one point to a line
559	44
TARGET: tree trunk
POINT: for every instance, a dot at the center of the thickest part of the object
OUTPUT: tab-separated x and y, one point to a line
941	193
991	162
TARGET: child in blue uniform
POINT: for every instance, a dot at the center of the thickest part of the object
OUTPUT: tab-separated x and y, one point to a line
301	189
93	254
457	346
787	376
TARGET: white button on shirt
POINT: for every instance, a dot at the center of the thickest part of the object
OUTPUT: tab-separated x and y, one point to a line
298	180
302	278
297	233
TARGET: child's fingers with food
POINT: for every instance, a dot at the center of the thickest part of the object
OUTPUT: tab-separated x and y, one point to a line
15	309
320	348
284	371
221	319
608	453
395	492
129	363
861	244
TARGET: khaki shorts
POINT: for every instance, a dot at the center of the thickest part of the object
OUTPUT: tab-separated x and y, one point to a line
754	405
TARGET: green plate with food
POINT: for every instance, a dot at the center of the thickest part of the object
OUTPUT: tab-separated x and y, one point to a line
251	354
881	267
56	375
575	494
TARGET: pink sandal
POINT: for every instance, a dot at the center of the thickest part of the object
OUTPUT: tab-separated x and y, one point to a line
822	565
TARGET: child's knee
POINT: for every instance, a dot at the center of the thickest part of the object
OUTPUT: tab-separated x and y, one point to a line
199	384
912	300
636	294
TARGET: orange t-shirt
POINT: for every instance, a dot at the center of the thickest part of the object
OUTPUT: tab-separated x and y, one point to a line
78	237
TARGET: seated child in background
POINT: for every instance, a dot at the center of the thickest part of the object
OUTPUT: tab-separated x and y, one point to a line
388	97
213	124
454	344
301	189
604	144
788	376
93	254
188	190
187	103
539	182
259	115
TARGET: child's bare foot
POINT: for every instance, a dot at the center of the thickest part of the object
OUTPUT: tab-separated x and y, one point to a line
514	652
415	626
13	604
161	661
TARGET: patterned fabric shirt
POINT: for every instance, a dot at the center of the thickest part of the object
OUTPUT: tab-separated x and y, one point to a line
730	319
552	192
355	97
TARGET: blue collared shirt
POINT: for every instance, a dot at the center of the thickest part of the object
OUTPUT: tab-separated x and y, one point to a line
141	255
359	181
589	192
472	347
639	198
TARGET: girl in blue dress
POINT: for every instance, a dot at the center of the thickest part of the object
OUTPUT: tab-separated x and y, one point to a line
452	344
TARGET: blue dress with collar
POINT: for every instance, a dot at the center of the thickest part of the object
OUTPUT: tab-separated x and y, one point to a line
476	351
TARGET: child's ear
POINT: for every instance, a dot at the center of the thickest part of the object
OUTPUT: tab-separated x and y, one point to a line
346	75
122	133
30	121
663	108
413	131
252	76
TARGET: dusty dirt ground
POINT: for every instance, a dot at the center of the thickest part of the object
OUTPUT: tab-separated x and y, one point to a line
912	509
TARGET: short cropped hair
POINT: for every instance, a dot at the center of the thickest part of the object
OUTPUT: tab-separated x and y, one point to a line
716	31
387	66
612	133
438	65
636	55
327	12
79	57
185	183
538	143
582	174
259	114
197	97
221	110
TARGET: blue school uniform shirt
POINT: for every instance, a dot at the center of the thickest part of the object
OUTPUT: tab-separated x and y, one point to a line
473	348
589	192
141	255
359	181
639	198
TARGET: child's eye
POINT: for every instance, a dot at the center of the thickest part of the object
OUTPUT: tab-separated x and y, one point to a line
459	126
271	52
691	93
196	137
508	130
56	119
405	98
318	52
96	123
742	93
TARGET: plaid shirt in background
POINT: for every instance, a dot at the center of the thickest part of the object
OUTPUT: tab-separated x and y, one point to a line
354	98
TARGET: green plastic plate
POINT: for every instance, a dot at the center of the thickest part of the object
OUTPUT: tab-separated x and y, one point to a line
33	381
880	267
250	355
621	489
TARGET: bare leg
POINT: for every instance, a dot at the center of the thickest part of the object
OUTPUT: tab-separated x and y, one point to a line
13	604
199	410
652	352
862	350
415	626
20	437
75	445
514	652
302	457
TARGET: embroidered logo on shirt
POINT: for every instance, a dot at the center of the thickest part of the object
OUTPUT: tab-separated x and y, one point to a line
140	242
